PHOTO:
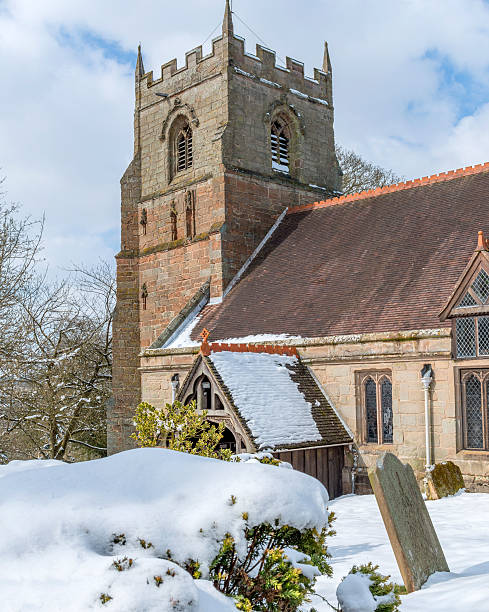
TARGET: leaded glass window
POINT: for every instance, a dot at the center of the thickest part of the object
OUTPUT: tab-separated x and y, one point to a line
465	335
472	336
483	335
467	300
386	397
475	402
481	286
376	403
371	410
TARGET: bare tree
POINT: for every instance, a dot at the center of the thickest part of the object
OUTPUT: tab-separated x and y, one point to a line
55	392
20	238
361	175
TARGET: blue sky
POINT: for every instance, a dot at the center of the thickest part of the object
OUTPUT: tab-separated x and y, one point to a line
411	91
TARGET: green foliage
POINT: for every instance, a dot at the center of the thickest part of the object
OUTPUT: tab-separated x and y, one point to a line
380	586
179	427
265	580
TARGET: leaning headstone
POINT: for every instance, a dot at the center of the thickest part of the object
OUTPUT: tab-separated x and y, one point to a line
444	479
406	519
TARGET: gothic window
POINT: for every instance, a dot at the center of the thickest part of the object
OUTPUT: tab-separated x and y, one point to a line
205	403
280	143
375	414
475	407
173	223
190	213
183	149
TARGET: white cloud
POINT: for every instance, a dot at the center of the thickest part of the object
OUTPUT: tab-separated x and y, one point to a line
410	84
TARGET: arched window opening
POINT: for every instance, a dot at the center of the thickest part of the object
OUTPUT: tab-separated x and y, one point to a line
474	431
228	441
173	224
205	402
371	410
218	405
387	418
375	410
184	152
280	143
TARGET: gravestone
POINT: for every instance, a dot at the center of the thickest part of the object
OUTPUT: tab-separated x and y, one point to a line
406	519
444	479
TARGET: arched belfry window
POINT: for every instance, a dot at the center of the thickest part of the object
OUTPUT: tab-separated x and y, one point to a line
280	136
183	149
375	412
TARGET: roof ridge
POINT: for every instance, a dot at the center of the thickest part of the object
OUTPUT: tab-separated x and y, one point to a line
370	193
272	349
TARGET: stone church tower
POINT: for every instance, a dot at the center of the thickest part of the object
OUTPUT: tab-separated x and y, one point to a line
221	147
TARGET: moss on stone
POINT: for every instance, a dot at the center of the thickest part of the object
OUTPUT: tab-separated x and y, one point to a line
445	479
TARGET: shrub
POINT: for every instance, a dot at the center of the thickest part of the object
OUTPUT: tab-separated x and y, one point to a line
384	594
267	579
179	427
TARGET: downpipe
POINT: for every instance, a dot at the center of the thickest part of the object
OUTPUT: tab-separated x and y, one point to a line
426	380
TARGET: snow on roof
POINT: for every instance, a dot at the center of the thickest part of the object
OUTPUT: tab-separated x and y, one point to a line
275	410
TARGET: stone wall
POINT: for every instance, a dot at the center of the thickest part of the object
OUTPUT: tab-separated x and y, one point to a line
335	362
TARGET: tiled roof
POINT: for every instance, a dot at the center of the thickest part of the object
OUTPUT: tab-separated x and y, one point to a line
386	261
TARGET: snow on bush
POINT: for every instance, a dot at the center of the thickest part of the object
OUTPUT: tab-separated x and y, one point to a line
115	533
366	590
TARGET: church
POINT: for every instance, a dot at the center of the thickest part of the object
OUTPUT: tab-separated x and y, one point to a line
323	328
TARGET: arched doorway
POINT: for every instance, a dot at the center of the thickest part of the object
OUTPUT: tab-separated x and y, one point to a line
228	441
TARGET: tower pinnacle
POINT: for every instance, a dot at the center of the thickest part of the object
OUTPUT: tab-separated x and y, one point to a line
227	24
139	64
326	61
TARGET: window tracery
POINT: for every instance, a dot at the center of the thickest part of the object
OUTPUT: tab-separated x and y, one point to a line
475	409
280	135
183	149
376	412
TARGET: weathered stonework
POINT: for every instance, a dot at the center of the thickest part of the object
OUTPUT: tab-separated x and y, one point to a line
229	99
335	362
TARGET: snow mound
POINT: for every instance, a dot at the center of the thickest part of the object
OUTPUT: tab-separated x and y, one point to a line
68	524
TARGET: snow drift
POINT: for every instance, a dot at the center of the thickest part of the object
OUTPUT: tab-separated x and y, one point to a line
63	526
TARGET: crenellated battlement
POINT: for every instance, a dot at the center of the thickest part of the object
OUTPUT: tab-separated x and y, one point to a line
194	61
229	52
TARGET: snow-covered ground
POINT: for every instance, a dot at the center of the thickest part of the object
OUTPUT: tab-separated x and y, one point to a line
63	526
462	525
